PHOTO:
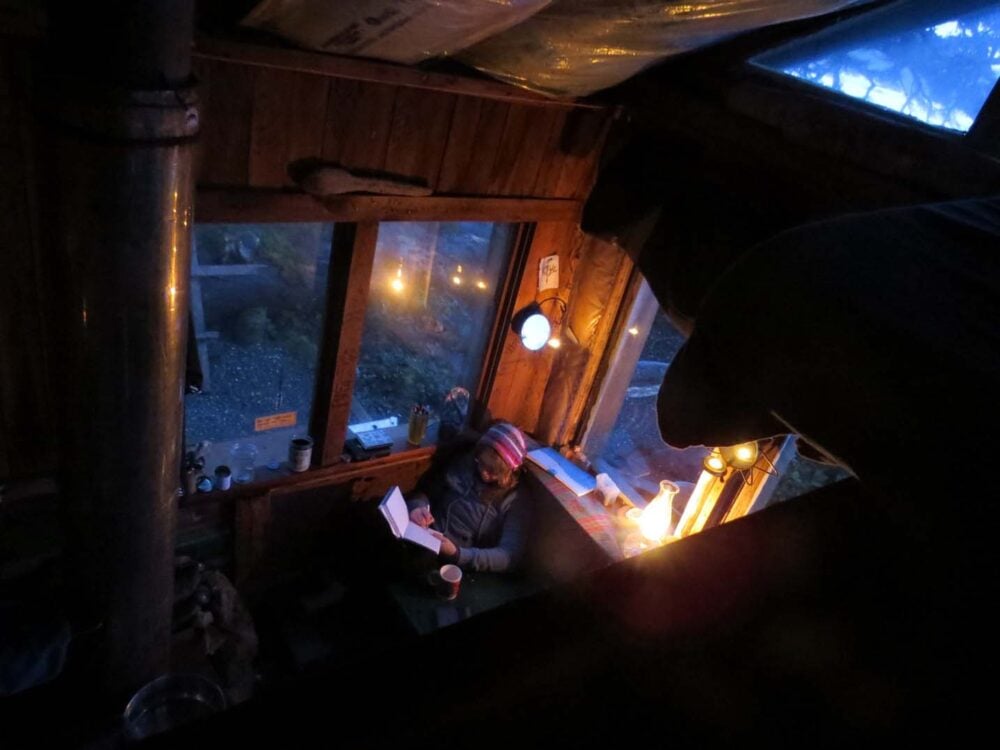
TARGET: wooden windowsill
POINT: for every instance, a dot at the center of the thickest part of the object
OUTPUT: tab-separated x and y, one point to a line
285	479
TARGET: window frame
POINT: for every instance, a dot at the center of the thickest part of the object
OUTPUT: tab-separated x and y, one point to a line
801	88
356	220
714	500
818	118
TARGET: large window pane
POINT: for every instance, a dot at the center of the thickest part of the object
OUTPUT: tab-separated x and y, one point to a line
802	475
624	436
431	306
257	298
933	61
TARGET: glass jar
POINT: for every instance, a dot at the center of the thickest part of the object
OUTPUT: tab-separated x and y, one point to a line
243	458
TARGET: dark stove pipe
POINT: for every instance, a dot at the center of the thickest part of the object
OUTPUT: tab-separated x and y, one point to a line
120	118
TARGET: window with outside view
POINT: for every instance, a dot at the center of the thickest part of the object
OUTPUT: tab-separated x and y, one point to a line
624	435
431	305
258	296
933	61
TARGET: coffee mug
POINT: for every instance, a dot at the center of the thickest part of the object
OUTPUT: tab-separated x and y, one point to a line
300	453
449	578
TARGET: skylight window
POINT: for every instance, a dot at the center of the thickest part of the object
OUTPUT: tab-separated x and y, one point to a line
932	61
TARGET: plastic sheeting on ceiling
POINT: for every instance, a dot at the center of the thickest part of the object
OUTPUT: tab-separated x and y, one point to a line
564	48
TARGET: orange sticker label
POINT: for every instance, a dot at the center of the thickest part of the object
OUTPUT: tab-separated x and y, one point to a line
285	419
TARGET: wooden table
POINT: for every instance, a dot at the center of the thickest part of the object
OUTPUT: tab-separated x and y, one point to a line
426	612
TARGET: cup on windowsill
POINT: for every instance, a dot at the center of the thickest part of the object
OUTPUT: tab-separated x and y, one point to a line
300	453
418	425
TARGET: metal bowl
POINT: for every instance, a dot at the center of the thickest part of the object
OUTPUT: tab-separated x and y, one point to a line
170	701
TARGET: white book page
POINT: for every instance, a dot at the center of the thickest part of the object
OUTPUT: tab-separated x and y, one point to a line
420	535
395	511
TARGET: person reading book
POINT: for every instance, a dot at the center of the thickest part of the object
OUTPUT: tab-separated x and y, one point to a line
476	505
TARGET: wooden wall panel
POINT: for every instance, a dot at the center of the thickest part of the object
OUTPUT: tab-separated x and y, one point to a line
421	121
287	124
579	146
551	162
223	152
462	146
358	123
522	375
531	152
473	168
255	120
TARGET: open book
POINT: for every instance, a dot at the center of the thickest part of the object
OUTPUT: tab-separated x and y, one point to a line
397	515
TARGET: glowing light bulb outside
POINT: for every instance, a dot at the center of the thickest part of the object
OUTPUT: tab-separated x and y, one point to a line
634	330
555	343
457	278
481	284
655	521
397	283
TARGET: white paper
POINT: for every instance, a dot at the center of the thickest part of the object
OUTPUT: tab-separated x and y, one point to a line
571	475
548	273
397	515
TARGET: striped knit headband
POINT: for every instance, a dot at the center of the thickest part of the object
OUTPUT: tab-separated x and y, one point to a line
508	442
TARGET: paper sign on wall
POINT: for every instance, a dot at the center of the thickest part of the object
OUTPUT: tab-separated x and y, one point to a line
273	421
548	273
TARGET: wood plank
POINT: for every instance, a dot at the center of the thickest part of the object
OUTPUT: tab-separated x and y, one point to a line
582	139
547	181
475	175
522	375
287	124
223	152
374	72
461	146
247	205
358	122
252	517
308	105
388	208
516	135
347	302
419	135
522	176
603	337
342	98
365	127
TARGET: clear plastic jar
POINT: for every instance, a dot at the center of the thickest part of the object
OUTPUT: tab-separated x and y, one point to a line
243	458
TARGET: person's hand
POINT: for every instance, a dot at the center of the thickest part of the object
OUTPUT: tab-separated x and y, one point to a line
448	548
421	515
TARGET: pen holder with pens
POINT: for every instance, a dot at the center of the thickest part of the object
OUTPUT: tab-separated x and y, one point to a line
418	424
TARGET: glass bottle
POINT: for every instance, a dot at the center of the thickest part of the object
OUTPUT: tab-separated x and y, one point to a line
243	457
657	519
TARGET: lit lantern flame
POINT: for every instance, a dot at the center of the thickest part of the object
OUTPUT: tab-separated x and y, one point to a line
634	330
654	523
744	452
555	343
397	283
